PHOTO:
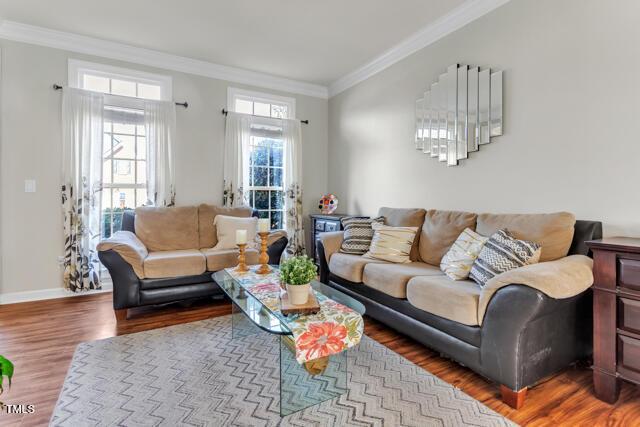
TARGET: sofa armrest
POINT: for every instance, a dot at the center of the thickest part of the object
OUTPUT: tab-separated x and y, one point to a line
331	241
275	235
126	284
129	247
276	244
527	335
559	279
326	245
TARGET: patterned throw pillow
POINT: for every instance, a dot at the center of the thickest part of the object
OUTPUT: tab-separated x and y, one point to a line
358	233
501	253
391	243
457	262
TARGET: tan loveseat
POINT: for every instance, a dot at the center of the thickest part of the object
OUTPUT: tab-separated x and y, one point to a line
167	254
499	330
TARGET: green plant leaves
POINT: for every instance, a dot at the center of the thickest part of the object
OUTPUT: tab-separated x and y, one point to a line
6	370
298	270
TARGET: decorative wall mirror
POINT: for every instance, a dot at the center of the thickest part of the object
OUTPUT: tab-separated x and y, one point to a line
459	113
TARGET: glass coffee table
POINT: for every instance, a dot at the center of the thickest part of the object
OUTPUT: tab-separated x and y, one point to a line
301	384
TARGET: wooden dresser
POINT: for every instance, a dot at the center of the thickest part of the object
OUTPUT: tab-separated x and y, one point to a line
321	223
616	314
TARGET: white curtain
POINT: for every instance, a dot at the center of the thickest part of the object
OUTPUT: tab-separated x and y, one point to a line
292	142
82	134
236	159
160	125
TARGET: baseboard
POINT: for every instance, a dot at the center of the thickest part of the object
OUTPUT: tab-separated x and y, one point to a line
43	294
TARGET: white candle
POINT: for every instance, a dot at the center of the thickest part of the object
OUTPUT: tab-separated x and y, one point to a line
263	225
241	237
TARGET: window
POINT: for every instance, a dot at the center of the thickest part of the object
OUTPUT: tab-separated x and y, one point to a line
124	161
266	158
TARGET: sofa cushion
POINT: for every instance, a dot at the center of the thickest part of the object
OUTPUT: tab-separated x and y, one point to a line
391	244
400	217
554	231
217	259
392	278
349	266
466	333
440	230
207	230
439	295
186	262
167	229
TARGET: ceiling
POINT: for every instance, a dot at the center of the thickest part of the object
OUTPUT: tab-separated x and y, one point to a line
311	41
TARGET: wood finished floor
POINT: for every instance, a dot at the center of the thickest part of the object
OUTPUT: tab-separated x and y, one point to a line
40	338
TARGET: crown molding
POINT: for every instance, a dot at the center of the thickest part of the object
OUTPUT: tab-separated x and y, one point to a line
31	34
466	13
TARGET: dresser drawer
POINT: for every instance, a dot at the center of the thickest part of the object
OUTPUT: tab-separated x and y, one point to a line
629	273
331	226
629	357
320	225
629	315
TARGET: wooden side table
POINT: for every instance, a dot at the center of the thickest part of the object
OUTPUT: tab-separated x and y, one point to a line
616	314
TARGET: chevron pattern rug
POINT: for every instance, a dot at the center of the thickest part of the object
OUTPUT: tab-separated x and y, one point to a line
195	375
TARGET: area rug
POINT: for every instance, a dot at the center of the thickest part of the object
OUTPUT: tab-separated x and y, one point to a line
195	375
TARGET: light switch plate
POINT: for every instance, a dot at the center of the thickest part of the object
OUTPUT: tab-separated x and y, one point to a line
29	185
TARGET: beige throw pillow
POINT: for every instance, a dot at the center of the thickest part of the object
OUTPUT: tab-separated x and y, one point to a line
457	262
226	227
391	243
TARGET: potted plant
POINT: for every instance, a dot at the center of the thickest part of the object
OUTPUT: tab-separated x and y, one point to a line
296	273
6	370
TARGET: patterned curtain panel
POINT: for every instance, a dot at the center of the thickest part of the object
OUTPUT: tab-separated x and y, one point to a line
236	159
82	118
292	142
160	125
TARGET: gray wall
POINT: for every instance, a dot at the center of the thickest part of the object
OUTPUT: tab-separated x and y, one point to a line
572	101
31	223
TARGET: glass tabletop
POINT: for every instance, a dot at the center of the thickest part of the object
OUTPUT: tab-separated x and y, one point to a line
274	321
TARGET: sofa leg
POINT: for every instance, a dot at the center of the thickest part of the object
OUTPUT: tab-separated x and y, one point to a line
121	314
513	398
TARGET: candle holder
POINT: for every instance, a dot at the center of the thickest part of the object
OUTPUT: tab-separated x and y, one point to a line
242	259
264	257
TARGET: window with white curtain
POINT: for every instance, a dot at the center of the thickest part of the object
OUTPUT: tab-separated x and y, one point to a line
266	155
124	156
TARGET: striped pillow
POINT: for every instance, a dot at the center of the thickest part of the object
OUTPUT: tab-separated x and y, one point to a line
501	253
358	233
391	243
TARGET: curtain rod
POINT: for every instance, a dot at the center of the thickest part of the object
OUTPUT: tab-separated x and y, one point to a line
182	104
225	112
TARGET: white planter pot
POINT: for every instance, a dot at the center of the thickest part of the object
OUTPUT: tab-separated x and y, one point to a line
298	294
